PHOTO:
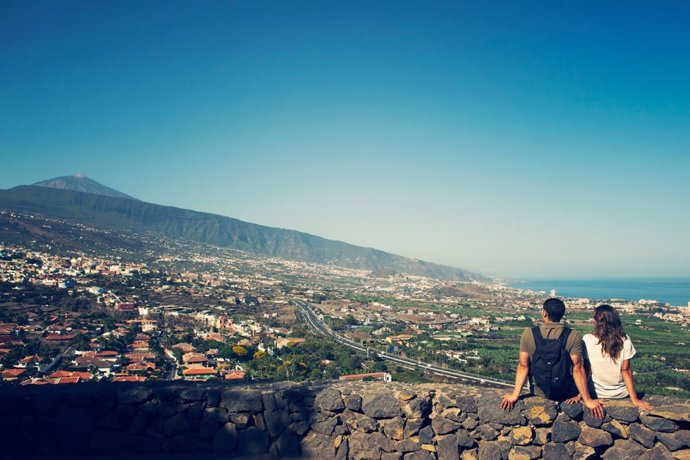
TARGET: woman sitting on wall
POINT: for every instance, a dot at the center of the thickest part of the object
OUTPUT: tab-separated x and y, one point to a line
607	355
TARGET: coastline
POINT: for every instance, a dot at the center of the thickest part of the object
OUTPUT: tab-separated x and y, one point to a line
671	291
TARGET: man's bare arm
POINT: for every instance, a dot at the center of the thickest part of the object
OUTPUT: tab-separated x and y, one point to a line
520	378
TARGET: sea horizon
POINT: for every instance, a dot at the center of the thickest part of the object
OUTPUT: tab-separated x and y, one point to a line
672	290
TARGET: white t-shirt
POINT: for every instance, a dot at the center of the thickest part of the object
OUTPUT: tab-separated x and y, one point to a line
606	373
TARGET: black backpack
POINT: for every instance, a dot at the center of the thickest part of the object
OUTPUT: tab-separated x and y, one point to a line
551	366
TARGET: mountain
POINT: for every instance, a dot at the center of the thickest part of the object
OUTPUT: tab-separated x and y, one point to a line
81	183
128	214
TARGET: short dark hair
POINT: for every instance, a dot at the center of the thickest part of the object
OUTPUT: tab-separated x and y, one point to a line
554	308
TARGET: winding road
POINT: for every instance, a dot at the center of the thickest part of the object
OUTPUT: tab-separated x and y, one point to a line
318	325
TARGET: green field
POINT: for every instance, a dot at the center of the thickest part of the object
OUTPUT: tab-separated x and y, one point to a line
659	365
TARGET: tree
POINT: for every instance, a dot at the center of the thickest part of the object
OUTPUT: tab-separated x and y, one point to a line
239	350
351	320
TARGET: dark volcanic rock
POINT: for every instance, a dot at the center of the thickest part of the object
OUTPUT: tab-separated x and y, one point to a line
330	400
624	413
616	428
407	445
316	445
444	426
525	453
426	435
556	451
565	431
326	427
242	401
381	405
521	436
253	441
216	414
659	424
486	433
465	440
642	434
540	411
463	402
354	403
394	428
343	450
470	424
623	449
490	412
176	424
591	420
182	443
683	436
447	447
225	440
671	442
417	407
489	450
288	446
367	444
419	455
583	452
573	411
193	395
659	452
412	426
594	437
134	395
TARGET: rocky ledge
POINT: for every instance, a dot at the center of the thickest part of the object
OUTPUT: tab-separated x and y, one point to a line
359	420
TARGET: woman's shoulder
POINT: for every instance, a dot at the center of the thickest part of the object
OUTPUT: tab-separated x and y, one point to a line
589	338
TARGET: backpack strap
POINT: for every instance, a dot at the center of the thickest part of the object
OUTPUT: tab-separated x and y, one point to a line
538	338
564	336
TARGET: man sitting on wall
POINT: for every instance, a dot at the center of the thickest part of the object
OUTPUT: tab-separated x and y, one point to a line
550	355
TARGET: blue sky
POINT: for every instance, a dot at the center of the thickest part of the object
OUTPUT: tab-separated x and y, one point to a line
519	139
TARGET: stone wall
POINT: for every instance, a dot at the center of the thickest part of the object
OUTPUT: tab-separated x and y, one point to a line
335	420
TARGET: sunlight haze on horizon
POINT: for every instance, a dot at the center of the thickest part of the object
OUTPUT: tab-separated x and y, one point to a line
518	140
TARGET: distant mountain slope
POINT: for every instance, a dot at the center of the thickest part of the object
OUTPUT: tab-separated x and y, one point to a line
81	183
129	214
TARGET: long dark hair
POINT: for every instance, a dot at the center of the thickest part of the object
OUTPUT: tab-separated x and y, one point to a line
609	330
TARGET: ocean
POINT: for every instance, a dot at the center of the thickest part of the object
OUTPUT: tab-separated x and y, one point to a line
675	291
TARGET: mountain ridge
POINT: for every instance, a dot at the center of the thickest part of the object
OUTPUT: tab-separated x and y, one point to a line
135	215
80	183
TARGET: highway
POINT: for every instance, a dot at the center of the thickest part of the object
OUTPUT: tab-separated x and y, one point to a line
314	323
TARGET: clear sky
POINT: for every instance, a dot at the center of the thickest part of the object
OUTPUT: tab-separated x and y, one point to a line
514	138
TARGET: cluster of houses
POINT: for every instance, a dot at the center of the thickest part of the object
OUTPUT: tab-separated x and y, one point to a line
204	366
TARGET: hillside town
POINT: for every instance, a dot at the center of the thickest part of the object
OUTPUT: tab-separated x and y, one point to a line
195	312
